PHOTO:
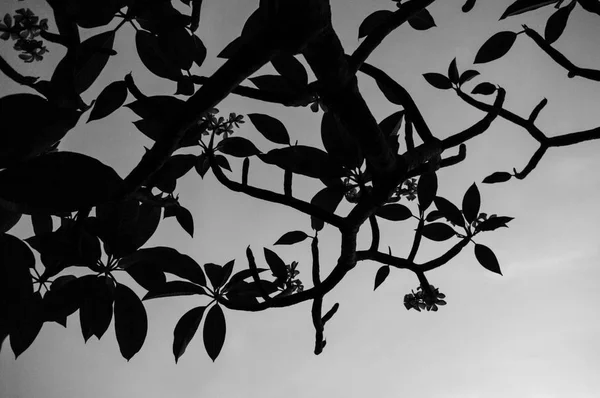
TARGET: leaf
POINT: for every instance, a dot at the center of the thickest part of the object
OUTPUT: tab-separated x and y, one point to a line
426	190
156	111
422	20
271	128
36	126
232	48
8	219
493	223
276	265
557	22
389	92
394	212
178	46
468	6
521	6
91	58
202	164
495	47
471	203
305	160
392	124
96	310
382	274
453	72
484	88
153	58
499	176
185	219
338	143
214	331
273	84
327	199
227	270
185	330
371	22
291	69
291	238
27	324
131	321
239	277
239	147
185	86
200	51
57	182
438	231
169	260
223	163
215	274
467	76
174	288
174	168
109	100
438	80
487	258
148	275
449	211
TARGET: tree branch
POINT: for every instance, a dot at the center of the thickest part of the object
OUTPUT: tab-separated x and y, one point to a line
16	76
444	258
374	233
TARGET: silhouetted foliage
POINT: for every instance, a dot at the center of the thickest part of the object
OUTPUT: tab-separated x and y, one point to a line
80	208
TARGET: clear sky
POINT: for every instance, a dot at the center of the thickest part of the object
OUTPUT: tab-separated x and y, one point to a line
531	333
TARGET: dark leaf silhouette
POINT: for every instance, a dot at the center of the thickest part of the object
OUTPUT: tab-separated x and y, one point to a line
216	274
63	299
487	258
449	211
27	323
185	330
438	231
493	223
434	215
156	113
274	84
214	331
484	88
291	69
131	321
153	58
291	237
467	76
239	277
109	100
174	288
200	51
453	72
521	6
426	190
148	275
185	86
305	160
57	182
422	21
328	199
169	260
8	219
499	176
202	164
276	265
380	277
470	204
495	47
232	48
557	22
40	125
438	80
176	167
371	22
185	219
222	162
340	145
468	6
394	212
96	310
178	46
239	147
271	128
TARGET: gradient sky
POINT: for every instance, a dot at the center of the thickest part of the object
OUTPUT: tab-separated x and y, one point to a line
531	333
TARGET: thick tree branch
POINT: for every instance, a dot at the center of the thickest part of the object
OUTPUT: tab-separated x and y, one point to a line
317	306
386	259
574	138
533	162
559	58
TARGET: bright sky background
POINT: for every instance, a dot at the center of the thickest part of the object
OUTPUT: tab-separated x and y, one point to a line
531	333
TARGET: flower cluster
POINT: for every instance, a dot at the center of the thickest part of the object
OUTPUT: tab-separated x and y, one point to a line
294	284
424	300
408	189
24	30
220	125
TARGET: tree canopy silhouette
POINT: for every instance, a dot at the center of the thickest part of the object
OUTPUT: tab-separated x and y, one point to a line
385	170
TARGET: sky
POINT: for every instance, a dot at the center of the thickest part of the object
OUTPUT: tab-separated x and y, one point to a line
531	333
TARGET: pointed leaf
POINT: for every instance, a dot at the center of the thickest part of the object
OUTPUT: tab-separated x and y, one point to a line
484	88
426	190
394	212
131	321
338	143
271	128
109	100
438	80
422	21
178	46
153	58
56	183
215	274
96	310
468	6
495	47
291	238
27	324
438	231
305	160
214	331
174	288
493	223
200	51
239	147
276	265
471	203
449	211
185	330
371	22
328	199
453	72
185	219
557	22
521	6
382	274
487	258
290	68
467	75
499	176
92	56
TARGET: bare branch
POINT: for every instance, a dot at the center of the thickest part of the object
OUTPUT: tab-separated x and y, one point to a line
444	258
417	240
533	162
374	232
16	76
255	276
384	258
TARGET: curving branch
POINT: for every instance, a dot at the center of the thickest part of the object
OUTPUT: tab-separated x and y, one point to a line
10	72
317	306
387	259
533	162
374	232
444	258
559	58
